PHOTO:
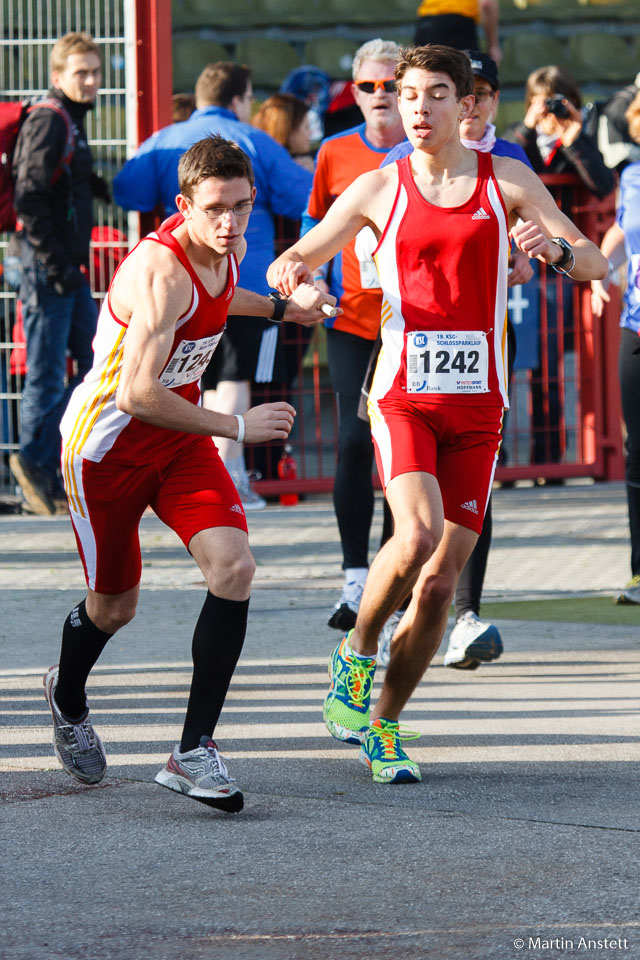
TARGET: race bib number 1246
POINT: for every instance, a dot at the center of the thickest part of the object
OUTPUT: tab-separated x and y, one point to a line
440	361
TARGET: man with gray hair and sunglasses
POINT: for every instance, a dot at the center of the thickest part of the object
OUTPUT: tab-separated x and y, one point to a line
351	277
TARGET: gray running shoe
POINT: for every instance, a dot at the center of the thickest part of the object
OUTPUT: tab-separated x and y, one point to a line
77	746
473	641
387	635
249	499
631	593
202	775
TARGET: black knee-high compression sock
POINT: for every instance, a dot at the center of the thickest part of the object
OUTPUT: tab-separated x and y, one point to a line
217	643
82	644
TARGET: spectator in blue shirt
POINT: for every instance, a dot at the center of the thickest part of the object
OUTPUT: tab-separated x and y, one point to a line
622	242
224	97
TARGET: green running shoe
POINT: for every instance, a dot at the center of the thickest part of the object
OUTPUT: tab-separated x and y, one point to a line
346	708
382	752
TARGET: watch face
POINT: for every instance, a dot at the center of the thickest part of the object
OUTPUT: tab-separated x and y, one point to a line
567	259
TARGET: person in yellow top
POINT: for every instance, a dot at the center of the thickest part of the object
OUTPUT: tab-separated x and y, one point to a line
455	23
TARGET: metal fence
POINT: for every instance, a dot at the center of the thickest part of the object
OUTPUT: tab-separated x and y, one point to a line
28	29
565	418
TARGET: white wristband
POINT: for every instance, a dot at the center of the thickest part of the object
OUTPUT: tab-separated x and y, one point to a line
240	420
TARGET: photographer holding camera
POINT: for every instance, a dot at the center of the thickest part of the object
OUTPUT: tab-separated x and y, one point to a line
555	141
552	132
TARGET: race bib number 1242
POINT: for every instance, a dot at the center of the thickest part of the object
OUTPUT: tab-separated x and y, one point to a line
441	361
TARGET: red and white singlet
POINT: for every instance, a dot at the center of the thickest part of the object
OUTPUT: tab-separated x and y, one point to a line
92	427
443	272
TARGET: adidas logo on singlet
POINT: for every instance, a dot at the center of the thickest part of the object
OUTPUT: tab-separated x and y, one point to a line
470	505
481	214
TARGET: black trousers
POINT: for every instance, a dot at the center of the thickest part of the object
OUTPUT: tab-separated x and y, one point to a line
353	500
629	367
469	589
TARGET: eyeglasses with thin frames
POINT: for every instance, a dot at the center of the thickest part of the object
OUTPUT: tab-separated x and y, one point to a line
388	84
483	95
242	209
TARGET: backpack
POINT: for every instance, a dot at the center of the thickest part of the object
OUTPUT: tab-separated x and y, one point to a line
605	122
12	116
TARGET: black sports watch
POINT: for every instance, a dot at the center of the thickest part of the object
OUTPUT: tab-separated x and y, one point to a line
567	261
279	306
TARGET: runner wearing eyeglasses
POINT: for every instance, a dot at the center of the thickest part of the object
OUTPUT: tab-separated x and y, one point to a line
135	435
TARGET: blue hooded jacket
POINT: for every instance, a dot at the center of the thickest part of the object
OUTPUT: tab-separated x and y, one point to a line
150	179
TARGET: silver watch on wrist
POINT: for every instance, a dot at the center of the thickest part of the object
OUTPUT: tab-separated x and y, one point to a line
567	261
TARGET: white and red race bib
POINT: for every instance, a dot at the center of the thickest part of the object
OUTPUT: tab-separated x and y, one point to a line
445	361
189	361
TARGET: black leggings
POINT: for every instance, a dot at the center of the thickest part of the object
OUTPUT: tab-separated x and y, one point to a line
629	367
469	589
353	500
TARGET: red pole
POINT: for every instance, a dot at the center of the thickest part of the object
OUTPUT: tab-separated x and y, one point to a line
154	75
614	460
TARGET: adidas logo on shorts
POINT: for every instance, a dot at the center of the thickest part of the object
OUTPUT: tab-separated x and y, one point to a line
236	508
470	505
481	214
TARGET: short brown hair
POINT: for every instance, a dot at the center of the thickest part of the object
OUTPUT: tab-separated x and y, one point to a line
212	157
549	81
632	116
182	106
220	82
68	44
436	58
280	115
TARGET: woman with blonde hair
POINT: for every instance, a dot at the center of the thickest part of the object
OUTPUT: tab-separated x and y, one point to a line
622	242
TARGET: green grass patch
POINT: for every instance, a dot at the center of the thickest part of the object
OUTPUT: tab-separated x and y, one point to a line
567	610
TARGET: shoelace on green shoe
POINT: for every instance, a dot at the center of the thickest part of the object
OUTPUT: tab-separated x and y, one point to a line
389	737
358	683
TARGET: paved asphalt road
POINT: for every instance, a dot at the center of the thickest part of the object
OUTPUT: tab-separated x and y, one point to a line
521	841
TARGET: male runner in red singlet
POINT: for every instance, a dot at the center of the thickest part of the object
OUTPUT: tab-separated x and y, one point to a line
135	435
442	217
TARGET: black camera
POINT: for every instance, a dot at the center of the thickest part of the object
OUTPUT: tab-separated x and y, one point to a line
556	106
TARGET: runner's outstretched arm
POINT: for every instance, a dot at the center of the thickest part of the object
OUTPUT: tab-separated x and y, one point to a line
349	213
305	306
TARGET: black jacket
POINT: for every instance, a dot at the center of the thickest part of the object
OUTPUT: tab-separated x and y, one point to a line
582	158
57	217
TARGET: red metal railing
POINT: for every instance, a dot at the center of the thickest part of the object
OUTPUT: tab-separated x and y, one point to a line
565	417
577	371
